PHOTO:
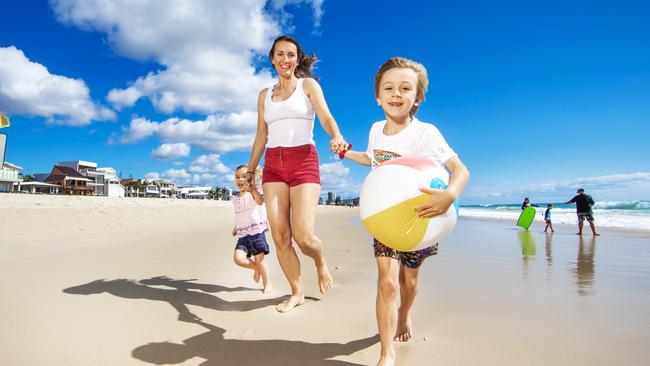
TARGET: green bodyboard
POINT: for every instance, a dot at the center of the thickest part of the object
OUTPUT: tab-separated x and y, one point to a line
526	218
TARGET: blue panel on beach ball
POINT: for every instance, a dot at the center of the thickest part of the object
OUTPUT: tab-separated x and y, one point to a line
437	183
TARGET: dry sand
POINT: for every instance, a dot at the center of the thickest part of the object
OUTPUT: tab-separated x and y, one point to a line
106	281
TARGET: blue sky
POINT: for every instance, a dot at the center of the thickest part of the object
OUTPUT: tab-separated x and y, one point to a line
537	99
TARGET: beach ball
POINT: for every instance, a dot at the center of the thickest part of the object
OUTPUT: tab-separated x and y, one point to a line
388	196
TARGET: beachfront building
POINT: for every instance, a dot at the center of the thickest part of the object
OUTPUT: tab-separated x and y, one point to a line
9	177
88	170
195	193
70	181
160	188
134	187
112	185
39	187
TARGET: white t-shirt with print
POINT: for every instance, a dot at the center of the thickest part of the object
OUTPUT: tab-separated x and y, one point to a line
417	139
250	218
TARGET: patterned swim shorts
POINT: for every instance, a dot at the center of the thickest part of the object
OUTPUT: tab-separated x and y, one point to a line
408	259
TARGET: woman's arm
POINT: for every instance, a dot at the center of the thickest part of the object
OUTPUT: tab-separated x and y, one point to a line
260	138
317	99
441	200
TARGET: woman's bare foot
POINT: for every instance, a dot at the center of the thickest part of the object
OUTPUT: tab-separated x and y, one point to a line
267	289
324	279
256	276
290	303
404	328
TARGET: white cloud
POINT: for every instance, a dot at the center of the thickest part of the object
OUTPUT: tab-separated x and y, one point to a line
335	178
152	175
632	186
206	48
209	164
171	151
205	170
217	133
28	88
316	6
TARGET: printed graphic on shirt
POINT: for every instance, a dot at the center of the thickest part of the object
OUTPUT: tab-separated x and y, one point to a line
382	156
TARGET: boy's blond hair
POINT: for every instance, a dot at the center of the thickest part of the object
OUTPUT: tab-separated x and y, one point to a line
418	68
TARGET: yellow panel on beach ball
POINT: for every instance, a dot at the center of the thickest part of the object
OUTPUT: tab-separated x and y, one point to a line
397	226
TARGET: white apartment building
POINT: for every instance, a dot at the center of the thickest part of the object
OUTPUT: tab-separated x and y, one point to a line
112	186
9	177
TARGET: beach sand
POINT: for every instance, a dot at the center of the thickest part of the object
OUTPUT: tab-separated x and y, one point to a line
109	281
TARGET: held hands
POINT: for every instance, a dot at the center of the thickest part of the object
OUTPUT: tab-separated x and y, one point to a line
250	182
440	202
338	144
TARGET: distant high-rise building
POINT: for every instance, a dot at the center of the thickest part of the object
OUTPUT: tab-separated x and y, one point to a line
331	198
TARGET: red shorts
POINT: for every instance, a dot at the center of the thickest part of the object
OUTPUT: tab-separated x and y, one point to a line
291	165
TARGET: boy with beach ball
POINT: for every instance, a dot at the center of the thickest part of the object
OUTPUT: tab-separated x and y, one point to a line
400	85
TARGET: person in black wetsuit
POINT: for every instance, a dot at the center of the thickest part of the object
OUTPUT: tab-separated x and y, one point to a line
584	202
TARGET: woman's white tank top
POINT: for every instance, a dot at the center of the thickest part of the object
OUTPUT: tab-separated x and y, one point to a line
291	121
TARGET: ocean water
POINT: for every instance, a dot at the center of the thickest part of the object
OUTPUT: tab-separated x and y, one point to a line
627	215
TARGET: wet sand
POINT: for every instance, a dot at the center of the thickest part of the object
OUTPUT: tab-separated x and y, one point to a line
98	281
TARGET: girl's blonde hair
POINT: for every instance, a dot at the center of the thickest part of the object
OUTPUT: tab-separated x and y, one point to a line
418	68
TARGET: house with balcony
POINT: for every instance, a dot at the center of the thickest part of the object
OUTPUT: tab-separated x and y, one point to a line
70	181
9	177
160	188
88	170
112	185
134	187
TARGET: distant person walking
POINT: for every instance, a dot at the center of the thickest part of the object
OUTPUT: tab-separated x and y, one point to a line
584	202
547	218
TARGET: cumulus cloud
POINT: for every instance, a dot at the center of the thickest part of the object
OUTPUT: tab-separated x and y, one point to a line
632	186
316	6
206	48
205	170
335	178
28	88
171	151
217	133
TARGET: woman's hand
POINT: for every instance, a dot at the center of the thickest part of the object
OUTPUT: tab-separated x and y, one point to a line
338	144
250	179
440	202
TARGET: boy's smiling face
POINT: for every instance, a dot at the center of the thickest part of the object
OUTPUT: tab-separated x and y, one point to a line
398	92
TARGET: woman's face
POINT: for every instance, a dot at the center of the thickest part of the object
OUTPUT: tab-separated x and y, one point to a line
285	58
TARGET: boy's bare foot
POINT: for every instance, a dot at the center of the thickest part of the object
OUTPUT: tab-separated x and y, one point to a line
404	330
267	289
386	361
256	276
290	303
324	279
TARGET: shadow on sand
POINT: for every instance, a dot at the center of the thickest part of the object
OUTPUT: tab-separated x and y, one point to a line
211	345
179	294
216	350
